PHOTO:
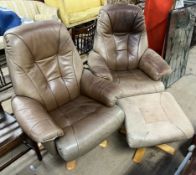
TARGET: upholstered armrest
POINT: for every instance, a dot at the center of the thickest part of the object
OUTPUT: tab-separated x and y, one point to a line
35	120
154	65
98	66
46	12
99	89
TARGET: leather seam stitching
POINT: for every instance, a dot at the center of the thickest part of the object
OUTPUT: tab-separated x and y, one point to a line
115	52
104	40
47	83
74	133
139	59
23	42
74	68
64	78
105	51
128	51
31	82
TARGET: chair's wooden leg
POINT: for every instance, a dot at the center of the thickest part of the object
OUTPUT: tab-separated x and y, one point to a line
71	165
166	148
40	146
139	154
104	144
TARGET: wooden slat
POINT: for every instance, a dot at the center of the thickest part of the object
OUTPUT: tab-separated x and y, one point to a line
8	129
9	136
9	145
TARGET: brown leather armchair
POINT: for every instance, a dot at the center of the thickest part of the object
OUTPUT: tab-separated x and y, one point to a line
121	54
56	100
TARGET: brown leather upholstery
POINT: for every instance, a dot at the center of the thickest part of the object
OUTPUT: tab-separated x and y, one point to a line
50	102
135	82
120	44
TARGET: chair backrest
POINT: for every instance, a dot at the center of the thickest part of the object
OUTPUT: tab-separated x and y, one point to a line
121	36
43	62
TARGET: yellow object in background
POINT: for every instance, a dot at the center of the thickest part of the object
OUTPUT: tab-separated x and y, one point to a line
75	12
30	9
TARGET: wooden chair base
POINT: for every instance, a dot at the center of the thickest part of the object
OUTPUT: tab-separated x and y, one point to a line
104	144
139	154
166	148
71	165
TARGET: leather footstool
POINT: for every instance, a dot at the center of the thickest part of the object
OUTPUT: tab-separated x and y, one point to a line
154	119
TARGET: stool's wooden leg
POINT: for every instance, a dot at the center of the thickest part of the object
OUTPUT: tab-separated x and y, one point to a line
166	148
71	165
104	144
139	154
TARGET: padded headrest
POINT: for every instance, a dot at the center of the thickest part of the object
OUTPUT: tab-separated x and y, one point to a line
122	18
40	39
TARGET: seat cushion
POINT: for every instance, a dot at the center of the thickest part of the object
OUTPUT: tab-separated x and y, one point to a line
85	123
135	82
1	43
83	15
154	119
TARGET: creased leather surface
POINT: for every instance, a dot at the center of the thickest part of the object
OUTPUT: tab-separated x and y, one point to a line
42	56
85	123
154	65
135	82
98	66
154	119
35	120
120	36
99	89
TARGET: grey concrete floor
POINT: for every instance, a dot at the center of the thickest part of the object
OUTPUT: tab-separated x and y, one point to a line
116	158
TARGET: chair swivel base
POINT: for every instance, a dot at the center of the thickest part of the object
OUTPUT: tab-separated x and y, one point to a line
104	144
71	165
139	154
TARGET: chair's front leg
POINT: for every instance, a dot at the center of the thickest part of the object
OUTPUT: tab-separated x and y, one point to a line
32	144
104	144
139	154
71	165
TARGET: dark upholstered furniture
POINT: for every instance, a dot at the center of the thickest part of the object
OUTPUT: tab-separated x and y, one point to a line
121	54
56	100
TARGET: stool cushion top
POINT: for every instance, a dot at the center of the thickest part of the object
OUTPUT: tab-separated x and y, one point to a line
154	119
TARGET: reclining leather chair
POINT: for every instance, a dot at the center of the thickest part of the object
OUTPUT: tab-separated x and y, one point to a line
55	98
121	54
